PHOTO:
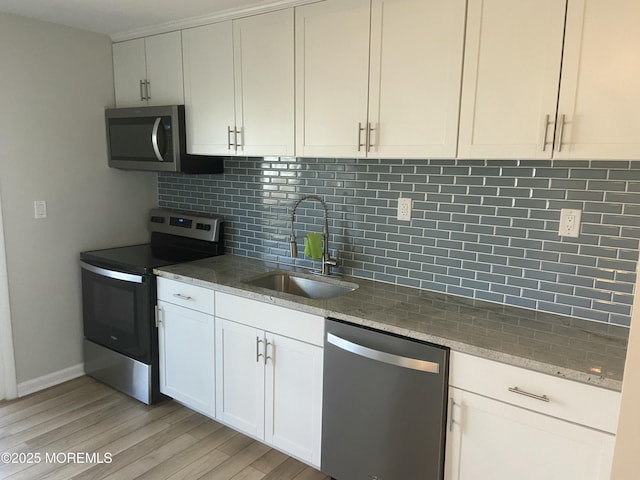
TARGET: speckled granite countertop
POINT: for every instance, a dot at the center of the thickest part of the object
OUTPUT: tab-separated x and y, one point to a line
576	349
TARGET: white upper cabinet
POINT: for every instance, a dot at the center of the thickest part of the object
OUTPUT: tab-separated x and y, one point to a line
332	69
415	75
525	96
208	89
511	70
378	79
129	73
264	83
599	95
239	90
148	71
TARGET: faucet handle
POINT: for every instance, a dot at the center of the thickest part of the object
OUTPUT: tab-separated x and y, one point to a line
327	263
332	262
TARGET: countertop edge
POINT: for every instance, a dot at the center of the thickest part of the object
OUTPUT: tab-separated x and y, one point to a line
486	353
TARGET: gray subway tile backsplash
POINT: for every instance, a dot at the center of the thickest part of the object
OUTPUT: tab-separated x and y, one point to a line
485	229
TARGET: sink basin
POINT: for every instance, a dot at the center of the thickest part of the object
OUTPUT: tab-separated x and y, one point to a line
302	285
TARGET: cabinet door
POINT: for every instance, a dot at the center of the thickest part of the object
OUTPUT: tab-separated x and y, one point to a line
208	89
511	76
240	377
416	69
599	95
264	90
293	397
491	440
164	69
186	343
332	69
129	70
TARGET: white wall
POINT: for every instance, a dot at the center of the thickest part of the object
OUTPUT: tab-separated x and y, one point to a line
54	85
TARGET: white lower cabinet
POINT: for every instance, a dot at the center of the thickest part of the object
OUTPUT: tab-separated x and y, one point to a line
269	385
240	372
490	439
186	340
293	397
186	344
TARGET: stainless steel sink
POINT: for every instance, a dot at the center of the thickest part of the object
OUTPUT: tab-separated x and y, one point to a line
302	285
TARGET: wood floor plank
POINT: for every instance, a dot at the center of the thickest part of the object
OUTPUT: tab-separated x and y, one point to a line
206	429
95	421
287	470
129	451
21	404
235	445
37	444
44	410
201	466
233	465
200	452
166	441
269	461
249	473
112	441
163	452
311	473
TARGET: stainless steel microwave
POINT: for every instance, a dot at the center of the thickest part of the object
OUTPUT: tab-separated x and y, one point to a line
153	139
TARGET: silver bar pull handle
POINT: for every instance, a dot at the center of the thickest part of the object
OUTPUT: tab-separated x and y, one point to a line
154	139
452	404
258	354
229	138
561	132
370	129
360	130
235	138
182	297
142	97
158	321
267	356
546	133
390	358
147	89
542	398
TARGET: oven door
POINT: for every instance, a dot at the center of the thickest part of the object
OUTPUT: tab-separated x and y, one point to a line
118	310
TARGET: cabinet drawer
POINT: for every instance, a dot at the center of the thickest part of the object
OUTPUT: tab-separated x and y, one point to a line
576	402
284	321
186	295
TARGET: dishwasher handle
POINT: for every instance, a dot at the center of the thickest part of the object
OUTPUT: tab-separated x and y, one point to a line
397	360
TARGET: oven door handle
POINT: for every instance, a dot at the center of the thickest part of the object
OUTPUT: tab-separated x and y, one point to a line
126	277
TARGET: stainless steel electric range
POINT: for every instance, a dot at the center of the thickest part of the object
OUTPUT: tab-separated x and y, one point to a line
119	299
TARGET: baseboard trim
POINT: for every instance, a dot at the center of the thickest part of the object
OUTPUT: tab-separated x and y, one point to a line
50	380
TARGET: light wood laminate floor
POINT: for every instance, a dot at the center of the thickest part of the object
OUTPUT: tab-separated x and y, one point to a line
83	429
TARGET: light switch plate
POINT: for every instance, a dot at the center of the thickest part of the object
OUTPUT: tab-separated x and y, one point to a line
39	209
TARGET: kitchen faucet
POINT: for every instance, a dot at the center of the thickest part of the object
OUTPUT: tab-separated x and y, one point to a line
327	262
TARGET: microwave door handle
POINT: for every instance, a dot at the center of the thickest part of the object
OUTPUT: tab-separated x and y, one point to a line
154	139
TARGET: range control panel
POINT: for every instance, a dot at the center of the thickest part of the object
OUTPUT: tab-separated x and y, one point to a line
185	224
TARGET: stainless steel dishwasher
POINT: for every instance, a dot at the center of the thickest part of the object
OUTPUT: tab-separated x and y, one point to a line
384	405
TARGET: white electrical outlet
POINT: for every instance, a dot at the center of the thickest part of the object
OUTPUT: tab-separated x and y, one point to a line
570	223
404	208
